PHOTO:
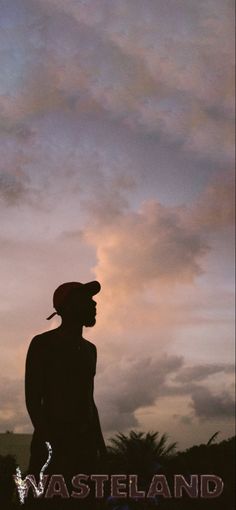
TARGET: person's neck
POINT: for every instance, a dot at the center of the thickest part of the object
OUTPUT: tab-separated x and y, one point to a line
74	328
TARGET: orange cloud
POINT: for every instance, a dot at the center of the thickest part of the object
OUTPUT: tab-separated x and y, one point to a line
141	247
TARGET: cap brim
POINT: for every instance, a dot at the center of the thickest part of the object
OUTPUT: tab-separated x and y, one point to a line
92	288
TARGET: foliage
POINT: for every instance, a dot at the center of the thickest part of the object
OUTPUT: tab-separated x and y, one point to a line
146	454
138	452
7	469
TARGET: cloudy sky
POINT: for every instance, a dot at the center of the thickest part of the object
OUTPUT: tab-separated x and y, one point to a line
116	133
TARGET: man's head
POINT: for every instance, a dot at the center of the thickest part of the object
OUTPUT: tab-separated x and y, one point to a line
73	301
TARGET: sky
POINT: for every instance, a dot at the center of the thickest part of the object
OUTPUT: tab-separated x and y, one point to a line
117	157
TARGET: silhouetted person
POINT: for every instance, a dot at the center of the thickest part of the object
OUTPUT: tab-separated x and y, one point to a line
59	382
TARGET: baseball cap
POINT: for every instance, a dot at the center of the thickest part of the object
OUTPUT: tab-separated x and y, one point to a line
65	291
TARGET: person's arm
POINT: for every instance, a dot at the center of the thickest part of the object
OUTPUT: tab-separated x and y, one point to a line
98	431
101	443
34	386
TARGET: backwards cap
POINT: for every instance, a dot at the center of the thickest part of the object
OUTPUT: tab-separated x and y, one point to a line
64	292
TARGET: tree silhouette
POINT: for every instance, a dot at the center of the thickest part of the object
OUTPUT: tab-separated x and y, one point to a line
147	454
139	452
7	486
212	438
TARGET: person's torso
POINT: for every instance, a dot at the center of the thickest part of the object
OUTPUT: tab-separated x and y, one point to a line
68	373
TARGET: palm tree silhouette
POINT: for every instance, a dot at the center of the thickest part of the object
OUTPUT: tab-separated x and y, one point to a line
139	452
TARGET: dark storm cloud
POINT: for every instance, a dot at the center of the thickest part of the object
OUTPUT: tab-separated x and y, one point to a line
148	381
208	406
119	406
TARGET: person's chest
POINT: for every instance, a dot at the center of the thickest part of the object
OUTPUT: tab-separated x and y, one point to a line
69	366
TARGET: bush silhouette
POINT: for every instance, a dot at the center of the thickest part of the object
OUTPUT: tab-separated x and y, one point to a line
147	453
7	485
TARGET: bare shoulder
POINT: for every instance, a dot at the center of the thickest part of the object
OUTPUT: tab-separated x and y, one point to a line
43	340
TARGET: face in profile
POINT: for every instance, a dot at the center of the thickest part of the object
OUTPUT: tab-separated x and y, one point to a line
82	310
88	313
